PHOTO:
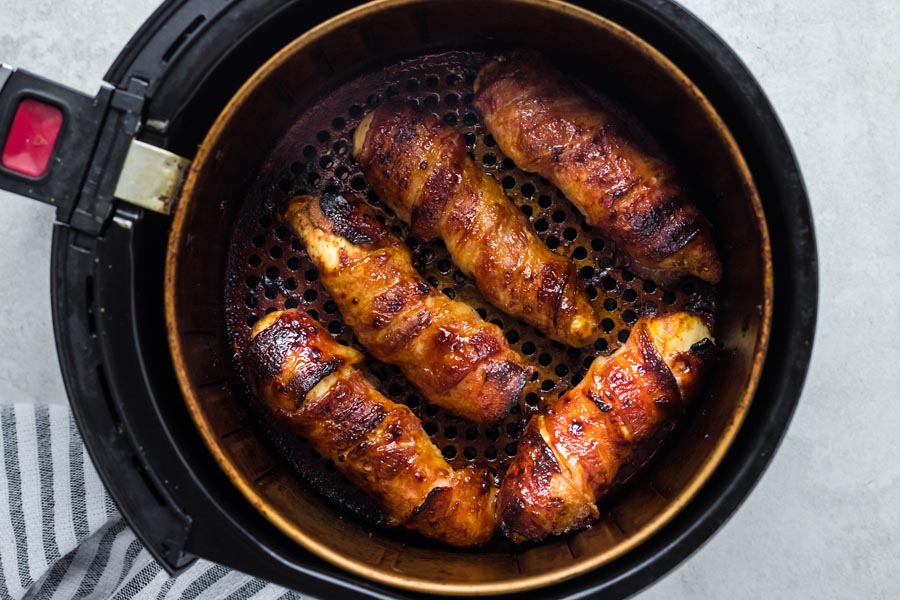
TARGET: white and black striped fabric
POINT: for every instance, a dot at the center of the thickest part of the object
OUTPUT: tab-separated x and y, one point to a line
61	536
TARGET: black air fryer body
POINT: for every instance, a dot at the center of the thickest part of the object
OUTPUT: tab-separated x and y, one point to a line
169	84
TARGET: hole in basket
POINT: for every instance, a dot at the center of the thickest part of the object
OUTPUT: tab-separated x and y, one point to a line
283	233
341	147
358	183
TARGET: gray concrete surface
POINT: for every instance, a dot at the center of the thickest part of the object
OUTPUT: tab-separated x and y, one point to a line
825	520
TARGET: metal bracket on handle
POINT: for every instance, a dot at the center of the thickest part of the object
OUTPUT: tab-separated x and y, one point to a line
151	177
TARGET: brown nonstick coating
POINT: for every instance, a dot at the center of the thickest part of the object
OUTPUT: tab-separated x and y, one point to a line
288	130
268	268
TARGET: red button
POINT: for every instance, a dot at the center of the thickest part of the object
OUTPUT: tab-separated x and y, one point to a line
32	138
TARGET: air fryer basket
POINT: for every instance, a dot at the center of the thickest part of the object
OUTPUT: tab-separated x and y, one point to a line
288	131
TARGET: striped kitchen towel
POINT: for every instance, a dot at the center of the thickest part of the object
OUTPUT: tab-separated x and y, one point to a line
61	536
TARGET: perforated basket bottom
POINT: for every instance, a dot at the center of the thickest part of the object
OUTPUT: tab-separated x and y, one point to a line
268	269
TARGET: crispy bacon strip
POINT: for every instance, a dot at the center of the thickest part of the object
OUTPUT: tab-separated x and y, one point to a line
458	360
311	382
420	168
546	125
570	453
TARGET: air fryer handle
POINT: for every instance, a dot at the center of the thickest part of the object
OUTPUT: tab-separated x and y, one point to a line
48	134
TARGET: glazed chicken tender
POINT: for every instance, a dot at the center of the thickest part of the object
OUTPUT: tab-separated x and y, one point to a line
570	453
457	360
311	383
548	126
420	168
